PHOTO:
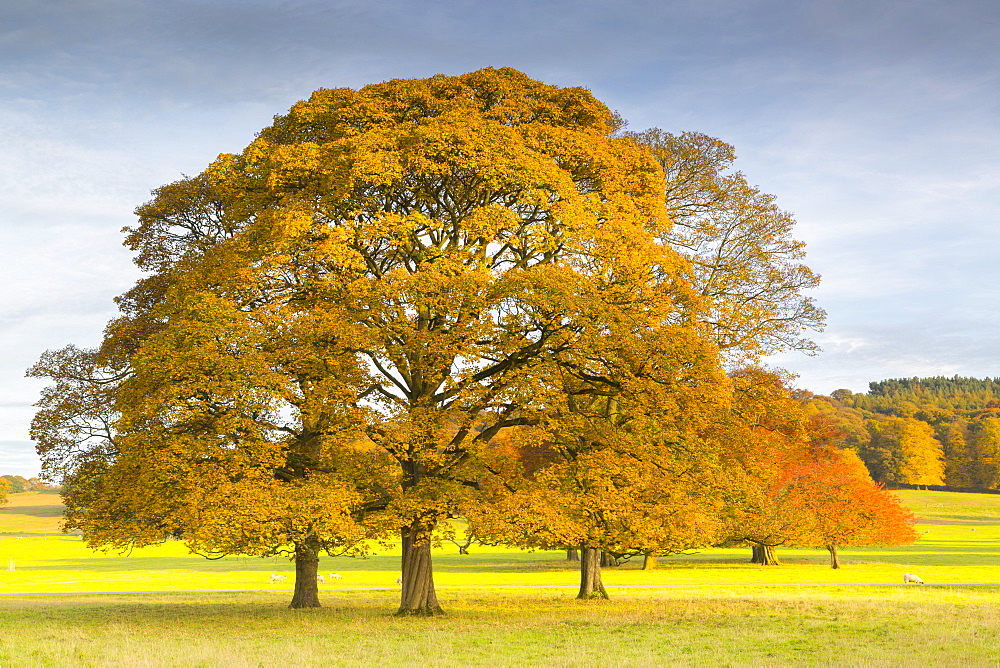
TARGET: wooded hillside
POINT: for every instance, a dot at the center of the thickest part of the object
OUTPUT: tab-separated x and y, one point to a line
923	431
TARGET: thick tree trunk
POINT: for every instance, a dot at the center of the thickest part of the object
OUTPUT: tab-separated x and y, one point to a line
834	557
572	555
590	574
648	561
770	559
609	560
418	597
763	555
306	593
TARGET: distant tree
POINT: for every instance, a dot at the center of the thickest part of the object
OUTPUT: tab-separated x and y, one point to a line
903	450
922	454
961	469
843	396
984	444
15	484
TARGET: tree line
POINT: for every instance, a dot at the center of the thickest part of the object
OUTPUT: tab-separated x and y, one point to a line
472	296
15	484
925	431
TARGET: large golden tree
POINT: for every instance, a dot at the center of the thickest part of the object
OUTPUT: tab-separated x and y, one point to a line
340	318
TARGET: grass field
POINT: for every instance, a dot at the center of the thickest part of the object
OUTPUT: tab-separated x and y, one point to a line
706	608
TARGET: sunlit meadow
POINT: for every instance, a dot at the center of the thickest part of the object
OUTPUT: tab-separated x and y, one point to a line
508	607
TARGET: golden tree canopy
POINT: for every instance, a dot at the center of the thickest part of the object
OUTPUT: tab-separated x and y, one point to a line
381	282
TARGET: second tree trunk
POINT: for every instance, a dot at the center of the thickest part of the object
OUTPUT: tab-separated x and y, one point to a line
834	557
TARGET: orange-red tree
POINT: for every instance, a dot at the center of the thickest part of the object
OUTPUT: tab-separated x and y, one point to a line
837	504
794	486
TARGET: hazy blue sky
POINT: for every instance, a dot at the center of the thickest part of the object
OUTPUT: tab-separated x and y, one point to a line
874	121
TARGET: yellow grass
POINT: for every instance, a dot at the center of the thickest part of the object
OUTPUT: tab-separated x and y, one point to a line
929	626
30	513
960	553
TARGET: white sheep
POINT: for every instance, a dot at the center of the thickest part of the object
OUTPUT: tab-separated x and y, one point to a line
277	578
335	576
910	578
319	578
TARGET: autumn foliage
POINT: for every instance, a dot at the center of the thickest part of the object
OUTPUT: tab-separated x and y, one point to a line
454	296
837	504
791	485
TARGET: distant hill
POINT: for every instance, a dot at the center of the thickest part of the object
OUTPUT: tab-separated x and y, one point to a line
31	513
928	431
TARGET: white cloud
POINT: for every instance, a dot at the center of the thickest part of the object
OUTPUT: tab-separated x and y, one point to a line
18	458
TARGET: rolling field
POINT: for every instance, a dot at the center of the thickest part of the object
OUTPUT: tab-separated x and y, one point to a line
706	608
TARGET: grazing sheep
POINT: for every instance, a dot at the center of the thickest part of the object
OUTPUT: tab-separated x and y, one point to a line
335	576
910	578
399	580
277	578
320	578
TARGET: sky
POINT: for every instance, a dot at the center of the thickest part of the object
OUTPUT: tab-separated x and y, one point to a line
874	121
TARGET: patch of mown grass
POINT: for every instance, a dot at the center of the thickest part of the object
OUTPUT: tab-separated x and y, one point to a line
934	507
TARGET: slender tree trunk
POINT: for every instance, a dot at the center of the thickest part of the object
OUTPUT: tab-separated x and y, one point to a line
306	594
834	557
418	597
590	574
572	555
649	561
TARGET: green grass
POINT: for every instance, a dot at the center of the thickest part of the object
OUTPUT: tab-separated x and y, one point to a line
764	626
952	507
710	607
